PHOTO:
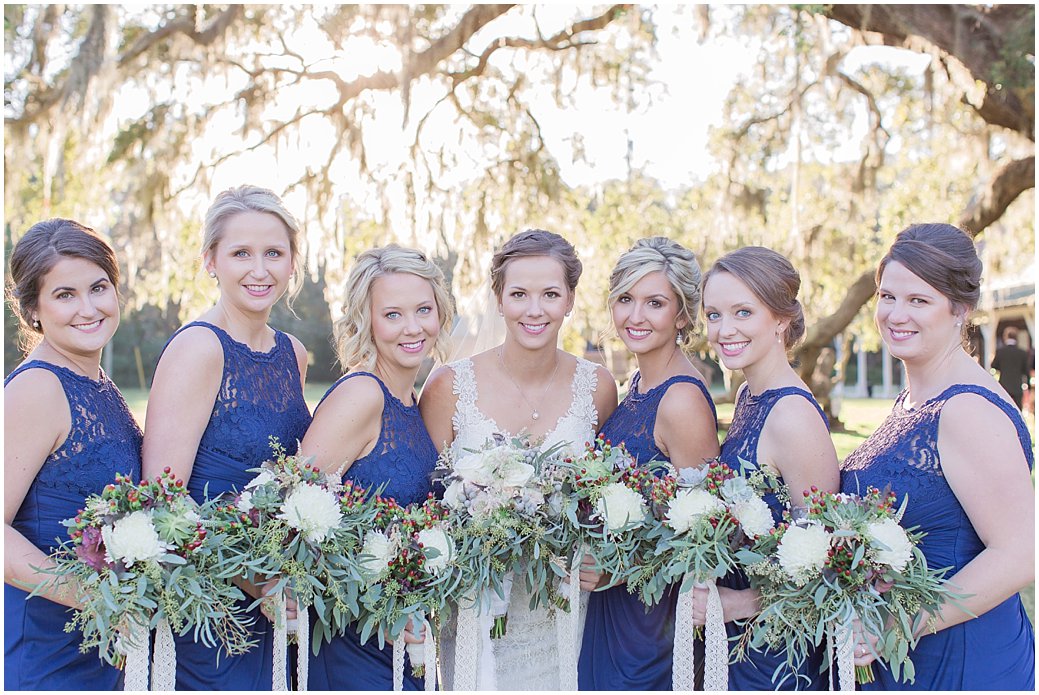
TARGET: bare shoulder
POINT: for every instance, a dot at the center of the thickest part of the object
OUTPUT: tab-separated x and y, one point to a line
197	346
793	418
357	395
970	422
34	391
604	381
683	401
439	385
299	348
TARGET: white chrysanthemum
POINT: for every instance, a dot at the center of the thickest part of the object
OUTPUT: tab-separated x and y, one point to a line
896	550
475	468
437	539
263	477
620	506
754	516
381	550
312	510
688	506
802	551
245	502
514	473
133	538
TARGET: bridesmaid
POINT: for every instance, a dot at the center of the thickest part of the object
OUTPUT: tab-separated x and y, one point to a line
753	320
68	432
223	385
367	427
667	415
956	445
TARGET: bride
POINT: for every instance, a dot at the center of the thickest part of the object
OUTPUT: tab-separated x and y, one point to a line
525	384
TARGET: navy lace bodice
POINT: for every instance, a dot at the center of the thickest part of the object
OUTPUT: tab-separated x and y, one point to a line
633	420
104	440
903	453
748	420
996	650
260	396
404	455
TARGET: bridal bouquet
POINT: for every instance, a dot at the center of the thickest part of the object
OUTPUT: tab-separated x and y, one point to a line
505	503
848	558
695	534
291	526
611	505
140	558
409	569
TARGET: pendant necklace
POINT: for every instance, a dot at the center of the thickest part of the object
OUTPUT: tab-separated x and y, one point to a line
534	415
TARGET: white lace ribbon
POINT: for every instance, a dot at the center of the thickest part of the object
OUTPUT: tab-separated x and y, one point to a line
136	667
424	653
567	628
302	630
716	655
467	645
398	664
841	640
164	658
281	646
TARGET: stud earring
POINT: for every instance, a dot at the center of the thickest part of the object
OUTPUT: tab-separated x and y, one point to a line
212	273
36	324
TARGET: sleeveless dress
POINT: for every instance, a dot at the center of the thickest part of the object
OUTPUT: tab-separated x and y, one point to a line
403	458
996	650
260	395
625	647
754	672
526	658
104	440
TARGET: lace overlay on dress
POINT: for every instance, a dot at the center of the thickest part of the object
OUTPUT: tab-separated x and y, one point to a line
526	658
403	457
103	440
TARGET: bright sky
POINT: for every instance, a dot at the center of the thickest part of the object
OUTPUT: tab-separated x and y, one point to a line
669	135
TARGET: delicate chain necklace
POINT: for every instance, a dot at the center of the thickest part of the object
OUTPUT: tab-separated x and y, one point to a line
534	415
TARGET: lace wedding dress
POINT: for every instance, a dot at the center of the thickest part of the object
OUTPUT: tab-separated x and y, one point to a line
527	657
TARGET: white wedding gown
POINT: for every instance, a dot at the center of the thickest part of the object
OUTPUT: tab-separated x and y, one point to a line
527	658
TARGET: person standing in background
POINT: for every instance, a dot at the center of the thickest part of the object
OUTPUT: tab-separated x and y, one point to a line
1012	363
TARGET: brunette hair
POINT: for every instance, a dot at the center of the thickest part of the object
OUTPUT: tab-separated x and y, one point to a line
679	266
772	279
37	252
535	242
941	255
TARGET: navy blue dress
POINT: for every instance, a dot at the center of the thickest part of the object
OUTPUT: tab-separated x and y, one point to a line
626	647
754	672
403	459
104	440
260	395
996	650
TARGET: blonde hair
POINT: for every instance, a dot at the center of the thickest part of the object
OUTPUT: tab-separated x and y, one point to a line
679	266
355	345
248	198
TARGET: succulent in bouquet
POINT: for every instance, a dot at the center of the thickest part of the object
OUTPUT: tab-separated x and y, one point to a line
846	558
140	557
505	504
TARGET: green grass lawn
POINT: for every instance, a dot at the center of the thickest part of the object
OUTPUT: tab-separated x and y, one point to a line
861	416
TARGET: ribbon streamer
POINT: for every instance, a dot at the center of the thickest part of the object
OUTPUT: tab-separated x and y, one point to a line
303	650
841	640
281	646
164	660
430	654
467	646
716	655
136	668
398	664
567	627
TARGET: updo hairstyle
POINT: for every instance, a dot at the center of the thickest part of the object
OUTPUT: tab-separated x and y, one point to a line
535	242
